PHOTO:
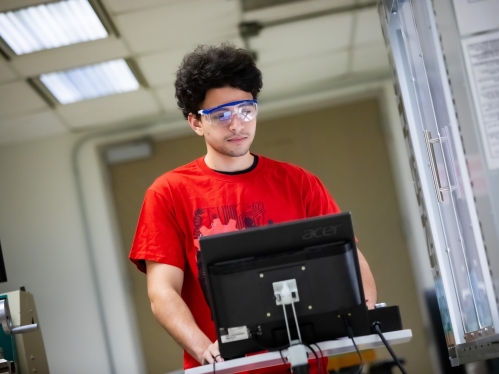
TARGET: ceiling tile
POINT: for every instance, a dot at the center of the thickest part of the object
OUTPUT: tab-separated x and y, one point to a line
121	6
167	98
159	69
370	57
16	4
47	61
6	73
177	25
294	9
19	97
368	27
281	44
30	127
303	72
110	109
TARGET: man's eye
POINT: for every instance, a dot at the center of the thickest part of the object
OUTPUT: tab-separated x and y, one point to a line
222	116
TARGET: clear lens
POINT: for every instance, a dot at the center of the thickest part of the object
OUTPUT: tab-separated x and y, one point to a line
247	112
223	116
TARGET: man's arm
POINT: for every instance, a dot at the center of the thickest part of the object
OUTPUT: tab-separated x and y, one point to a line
367	281
164	284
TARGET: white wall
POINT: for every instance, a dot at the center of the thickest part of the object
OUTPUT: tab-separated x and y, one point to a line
44	250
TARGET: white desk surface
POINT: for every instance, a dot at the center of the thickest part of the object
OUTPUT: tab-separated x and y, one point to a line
329	348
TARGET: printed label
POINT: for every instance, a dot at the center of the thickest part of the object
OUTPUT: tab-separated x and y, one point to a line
235	334
482	62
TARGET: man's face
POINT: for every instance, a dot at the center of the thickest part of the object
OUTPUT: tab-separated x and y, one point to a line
233	139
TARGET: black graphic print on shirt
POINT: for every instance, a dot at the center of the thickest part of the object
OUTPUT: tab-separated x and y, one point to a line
227	218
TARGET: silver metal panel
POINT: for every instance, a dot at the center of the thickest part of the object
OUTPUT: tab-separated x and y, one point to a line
459	263
485	182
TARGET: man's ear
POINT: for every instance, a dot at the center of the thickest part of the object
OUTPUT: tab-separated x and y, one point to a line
195	124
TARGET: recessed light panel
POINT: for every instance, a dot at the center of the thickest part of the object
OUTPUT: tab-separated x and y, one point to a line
50	25
103	79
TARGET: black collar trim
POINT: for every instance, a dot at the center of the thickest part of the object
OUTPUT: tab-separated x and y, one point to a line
252	167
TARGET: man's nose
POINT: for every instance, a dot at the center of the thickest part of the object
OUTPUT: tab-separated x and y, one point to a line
235	123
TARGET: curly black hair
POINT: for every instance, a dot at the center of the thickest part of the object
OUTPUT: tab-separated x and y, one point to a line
210	67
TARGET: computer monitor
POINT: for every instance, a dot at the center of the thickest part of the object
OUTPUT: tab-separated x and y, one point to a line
243	267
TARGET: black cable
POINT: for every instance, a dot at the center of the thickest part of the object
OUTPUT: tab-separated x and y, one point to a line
350	335
319	366
322	356
282	357
214	362
283	360
376	327
270	349
279	349
360	357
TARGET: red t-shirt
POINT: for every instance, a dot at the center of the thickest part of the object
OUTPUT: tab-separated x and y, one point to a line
194	200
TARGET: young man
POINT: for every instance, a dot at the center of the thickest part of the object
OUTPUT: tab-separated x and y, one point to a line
227	189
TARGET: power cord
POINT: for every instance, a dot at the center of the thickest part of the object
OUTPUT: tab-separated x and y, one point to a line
319	367
270	349
283	360
322	356
376	327
319	361
279	349
214	362
350	335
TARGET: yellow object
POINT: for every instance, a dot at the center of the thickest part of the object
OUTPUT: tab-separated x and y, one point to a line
350	359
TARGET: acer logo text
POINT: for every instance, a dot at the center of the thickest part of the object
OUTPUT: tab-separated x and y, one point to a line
320	232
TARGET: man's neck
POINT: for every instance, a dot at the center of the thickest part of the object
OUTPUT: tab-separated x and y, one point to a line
227	163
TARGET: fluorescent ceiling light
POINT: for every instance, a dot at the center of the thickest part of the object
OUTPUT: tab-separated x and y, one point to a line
91	81
50	26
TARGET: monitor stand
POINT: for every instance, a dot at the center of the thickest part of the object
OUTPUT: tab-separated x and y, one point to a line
286	293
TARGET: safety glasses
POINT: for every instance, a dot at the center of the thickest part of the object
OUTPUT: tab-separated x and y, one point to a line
246	110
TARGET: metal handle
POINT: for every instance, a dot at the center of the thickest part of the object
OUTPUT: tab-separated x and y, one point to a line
6	321
25	329
431	156
433	165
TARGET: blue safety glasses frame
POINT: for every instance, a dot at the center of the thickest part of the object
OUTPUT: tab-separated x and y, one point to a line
246	110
